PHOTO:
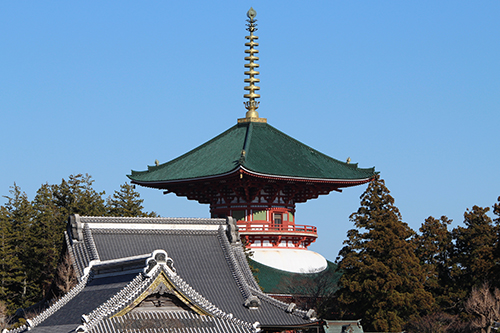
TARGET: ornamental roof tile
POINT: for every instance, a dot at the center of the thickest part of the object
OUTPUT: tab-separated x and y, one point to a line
258	148
341	326
157	321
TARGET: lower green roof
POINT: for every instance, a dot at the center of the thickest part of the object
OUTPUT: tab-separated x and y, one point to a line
258	148
276	281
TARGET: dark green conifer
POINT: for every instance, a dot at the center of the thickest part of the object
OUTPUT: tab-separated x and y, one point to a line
434	249
48	233
382	281
496	268
11	269
32	234
76	196
127	202
474	249
20	220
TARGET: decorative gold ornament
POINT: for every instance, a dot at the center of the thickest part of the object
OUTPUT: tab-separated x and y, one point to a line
252	105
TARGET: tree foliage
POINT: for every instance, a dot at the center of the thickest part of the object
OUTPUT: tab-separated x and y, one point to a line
474	248
434	248
127	203
32	234
382	281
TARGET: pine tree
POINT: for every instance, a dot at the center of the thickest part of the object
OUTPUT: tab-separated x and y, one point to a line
434	249
474	249
127	202
382	280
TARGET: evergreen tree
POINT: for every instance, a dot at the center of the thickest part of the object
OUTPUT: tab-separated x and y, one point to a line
474	249
127	202
434	249
496	211
20	219
382	280
48	234
32	235
10	264
76	196
496	269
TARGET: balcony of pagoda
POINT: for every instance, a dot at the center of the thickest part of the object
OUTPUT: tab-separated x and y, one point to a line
262	227
264	234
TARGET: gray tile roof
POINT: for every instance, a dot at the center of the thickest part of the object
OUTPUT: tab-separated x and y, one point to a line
94	294
207	269
201	260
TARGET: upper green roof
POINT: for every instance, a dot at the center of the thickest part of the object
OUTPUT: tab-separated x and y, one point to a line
259	148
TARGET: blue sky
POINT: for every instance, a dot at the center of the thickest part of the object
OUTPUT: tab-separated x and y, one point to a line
410	87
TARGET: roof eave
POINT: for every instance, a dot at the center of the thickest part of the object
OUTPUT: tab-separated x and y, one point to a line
242	170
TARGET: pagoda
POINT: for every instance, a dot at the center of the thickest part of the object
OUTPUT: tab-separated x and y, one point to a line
257	174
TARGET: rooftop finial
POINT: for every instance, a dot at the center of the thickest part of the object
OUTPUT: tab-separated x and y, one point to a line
251	105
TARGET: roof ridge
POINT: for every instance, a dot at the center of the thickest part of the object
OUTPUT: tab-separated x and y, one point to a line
246	289
88	239
280	304
233	264
151	220
72	255
245	268
192	151
314	150
200	300
58	304
118	301
150	231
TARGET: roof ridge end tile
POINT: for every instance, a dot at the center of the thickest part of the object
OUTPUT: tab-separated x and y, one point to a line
89	243
233	264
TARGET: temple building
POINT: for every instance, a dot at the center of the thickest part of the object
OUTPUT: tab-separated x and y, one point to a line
192	274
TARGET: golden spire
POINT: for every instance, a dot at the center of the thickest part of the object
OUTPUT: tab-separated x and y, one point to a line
251	105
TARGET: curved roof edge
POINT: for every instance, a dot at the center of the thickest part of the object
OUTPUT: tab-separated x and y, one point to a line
256	148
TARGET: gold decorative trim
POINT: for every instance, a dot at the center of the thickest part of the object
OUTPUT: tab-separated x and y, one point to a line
251	105
161	278
252	120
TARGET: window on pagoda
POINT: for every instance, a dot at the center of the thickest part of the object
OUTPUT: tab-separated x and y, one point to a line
278	218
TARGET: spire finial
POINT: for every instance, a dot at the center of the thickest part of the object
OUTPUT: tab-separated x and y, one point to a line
251	105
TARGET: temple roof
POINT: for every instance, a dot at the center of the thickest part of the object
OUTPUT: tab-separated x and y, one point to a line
257	148
276	281
193	270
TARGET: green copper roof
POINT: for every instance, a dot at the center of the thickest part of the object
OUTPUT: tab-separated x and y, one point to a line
259	148
276	281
